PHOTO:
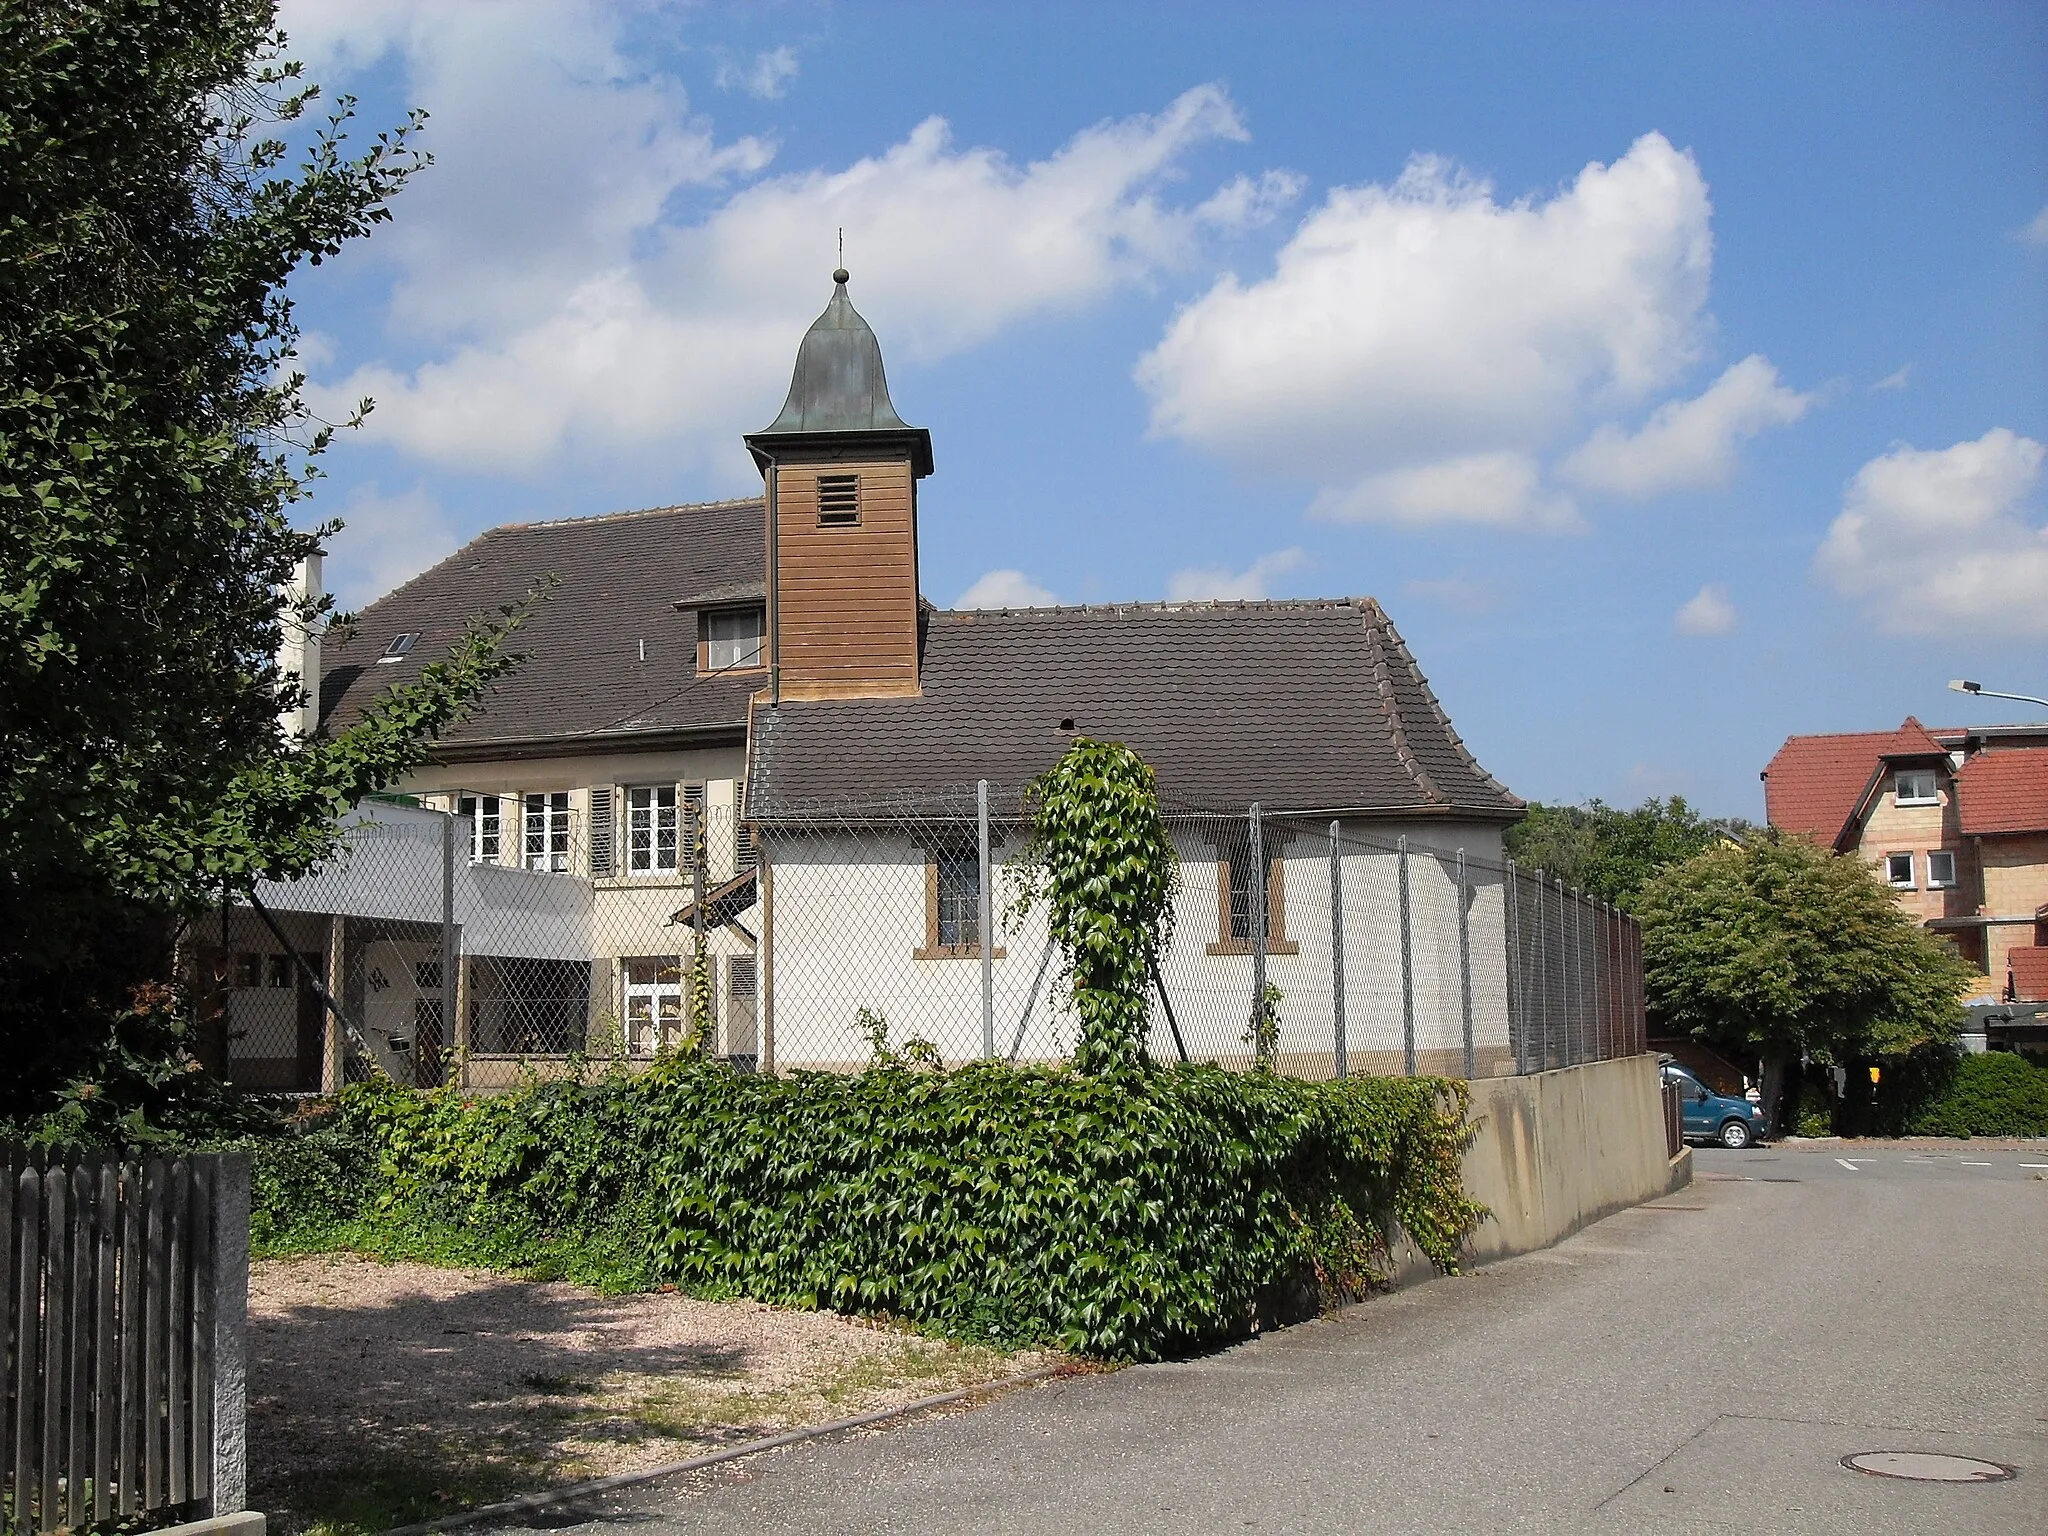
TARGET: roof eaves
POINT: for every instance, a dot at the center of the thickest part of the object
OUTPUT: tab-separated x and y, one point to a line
1383	687
1443	718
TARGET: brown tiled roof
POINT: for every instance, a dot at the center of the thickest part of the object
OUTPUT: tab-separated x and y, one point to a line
1815	785
2004	791
622	576
1297	705
2029	964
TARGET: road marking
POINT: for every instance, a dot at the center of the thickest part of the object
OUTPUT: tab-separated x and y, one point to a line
2034	1165
1968	1164
1916	1159
1846	1164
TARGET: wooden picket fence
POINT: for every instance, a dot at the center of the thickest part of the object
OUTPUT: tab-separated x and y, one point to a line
124	1298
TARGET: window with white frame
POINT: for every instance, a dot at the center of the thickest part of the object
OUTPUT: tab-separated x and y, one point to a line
651	830
732	639
547	832
1941	869
653	1003
1915	786
1898	869
486	815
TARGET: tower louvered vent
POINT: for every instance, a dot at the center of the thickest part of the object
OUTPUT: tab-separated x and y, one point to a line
839	501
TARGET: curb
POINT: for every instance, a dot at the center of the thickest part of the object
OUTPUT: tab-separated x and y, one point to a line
530	1503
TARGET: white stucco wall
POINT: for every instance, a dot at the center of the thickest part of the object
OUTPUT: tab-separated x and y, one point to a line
850	919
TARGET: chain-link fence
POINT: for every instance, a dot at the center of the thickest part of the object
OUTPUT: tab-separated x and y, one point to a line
613	922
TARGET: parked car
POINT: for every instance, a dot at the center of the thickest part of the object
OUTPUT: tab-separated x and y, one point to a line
1711	1116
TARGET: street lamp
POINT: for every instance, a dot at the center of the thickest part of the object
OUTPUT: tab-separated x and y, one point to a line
1978	690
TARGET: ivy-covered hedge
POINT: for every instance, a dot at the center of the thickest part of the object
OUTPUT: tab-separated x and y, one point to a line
1132	1216
1997	1093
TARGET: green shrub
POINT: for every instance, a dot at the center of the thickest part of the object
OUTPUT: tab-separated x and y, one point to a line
1997	1093
1133	1216
1816	1110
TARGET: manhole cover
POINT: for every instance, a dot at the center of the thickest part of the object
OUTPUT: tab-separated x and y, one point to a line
1927	1467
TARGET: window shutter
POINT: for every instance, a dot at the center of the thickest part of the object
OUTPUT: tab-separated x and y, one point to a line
603	834
693	824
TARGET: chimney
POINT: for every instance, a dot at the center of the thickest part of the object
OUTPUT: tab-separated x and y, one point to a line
298	657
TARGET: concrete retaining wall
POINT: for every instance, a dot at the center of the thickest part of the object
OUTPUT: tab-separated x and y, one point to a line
1557	1150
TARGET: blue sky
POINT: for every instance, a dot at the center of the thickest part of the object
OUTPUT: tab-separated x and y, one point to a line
1676	376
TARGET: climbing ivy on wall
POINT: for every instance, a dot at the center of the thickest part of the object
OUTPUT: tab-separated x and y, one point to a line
1102	864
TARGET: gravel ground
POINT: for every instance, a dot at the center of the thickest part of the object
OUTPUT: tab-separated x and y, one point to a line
383	1393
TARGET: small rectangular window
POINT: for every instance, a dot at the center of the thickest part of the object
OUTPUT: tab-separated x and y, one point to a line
400	647
280	967
652	830
732	639
1916	788
653	1003
1941	870
839	501
547	832
1898	869
959	900
487	826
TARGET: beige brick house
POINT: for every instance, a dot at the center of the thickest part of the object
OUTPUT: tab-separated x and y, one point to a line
1957	821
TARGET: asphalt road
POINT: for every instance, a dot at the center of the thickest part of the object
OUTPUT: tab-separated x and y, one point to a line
1703	1361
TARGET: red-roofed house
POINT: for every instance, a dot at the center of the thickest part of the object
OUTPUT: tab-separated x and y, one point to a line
1956	819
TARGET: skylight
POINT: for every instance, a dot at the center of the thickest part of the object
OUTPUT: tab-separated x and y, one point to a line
399	646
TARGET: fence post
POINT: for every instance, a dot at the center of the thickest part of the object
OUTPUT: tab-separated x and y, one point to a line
1564	969
1407	970
764	873
1342	1045
1540	955
449	961
1511	929
987	893
1465	965
1257	893
229	1483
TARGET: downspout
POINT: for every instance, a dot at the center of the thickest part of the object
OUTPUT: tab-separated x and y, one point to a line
774	587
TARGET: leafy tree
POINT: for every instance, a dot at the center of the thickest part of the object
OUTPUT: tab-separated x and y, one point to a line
1610	853
153	440
1785	950
1101	860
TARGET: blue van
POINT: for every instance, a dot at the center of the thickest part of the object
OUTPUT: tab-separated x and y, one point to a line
1711	1116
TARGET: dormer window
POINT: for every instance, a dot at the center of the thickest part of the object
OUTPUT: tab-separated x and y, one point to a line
1916	786
839	501
399	648
732	639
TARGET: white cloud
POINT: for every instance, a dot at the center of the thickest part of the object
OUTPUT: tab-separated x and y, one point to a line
767	77
1219	582
1503	490
1426	326
2036	232
1943	539
563	304
1687	444
553	149
1005	589
1894	381
1707	612
386	541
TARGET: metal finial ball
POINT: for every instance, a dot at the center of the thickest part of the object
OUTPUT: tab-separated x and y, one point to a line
840	275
